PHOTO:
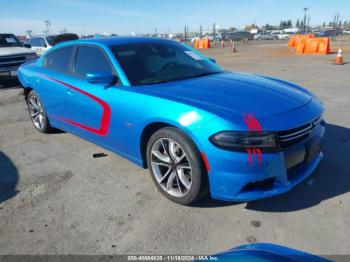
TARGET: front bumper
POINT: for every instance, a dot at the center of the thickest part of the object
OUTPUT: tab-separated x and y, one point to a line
234	178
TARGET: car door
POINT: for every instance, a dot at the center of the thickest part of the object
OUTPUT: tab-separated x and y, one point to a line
55	70
89	105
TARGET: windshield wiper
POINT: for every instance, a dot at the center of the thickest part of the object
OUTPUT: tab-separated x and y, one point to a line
206	74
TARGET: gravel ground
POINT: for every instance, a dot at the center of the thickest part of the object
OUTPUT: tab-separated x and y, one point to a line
61	200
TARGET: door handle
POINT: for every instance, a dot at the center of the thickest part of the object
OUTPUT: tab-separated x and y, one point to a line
69	91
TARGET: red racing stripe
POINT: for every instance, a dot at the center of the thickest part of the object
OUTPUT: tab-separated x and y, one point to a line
106	115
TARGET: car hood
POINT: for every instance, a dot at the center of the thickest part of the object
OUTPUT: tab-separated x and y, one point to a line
228	94
5	51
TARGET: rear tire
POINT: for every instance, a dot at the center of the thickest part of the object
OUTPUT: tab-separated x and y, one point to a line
176	166
37	113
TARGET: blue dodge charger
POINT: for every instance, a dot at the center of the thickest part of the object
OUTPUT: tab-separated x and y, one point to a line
168	108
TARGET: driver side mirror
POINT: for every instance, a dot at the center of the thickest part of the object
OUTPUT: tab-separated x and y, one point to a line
212	60
27	45
101	77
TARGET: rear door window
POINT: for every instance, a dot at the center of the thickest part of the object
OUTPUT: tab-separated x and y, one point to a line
42	42
60	59
90	59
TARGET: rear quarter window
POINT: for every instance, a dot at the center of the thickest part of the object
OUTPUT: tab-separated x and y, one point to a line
59	60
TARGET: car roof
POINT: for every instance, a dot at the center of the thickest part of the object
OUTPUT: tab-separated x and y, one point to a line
120	40
41	36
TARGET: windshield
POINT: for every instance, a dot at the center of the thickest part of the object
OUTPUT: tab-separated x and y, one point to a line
151	63
9	40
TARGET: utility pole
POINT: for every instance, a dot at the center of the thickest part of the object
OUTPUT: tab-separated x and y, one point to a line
186	32
335	24
200	31
214	32
305	9
47	25
28	33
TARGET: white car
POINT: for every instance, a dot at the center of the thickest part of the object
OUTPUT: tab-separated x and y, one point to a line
13	53
41	43
280	35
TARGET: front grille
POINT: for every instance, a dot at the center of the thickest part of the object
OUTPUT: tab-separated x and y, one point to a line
12	61
293	136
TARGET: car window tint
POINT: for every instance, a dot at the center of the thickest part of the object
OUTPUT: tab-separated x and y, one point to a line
90	59
59	60
34	41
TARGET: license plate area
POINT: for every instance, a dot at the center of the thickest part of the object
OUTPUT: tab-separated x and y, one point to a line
312	152
294	159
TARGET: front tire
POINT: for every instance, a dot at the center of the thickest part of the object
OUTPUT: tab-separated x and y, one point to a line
37	113
176	166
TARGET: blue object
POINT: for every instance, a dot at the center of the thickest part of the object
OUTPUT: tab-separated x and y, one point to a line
258	136
100	77
265	252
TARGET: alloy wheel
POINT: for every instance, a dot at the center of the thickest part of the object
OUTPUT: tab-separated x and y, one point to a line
171	167
36	112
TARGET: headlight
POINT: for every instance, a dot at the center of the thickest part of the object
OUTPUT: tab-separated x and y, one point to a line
31	56
242	140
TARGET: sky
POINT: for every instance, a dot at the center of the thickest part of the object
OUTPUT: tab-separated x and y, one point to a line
143	16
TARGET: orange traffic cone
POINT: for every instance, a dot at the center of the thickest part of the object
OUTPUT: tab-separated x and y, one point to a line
339	57
222	43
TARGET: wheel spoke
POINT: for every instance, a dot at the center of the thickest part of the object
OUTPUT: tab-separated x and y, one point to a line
36	118
41	120
182	177
161	157
34	103
178	184
172	151
31	106
165	148
181	157
184	166
170	183
161	164
165	176
34	114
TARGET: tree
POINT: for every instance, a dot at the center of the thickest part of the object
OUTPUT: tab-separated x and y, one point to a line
297	25
285	24
324	24
232	29
248	28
